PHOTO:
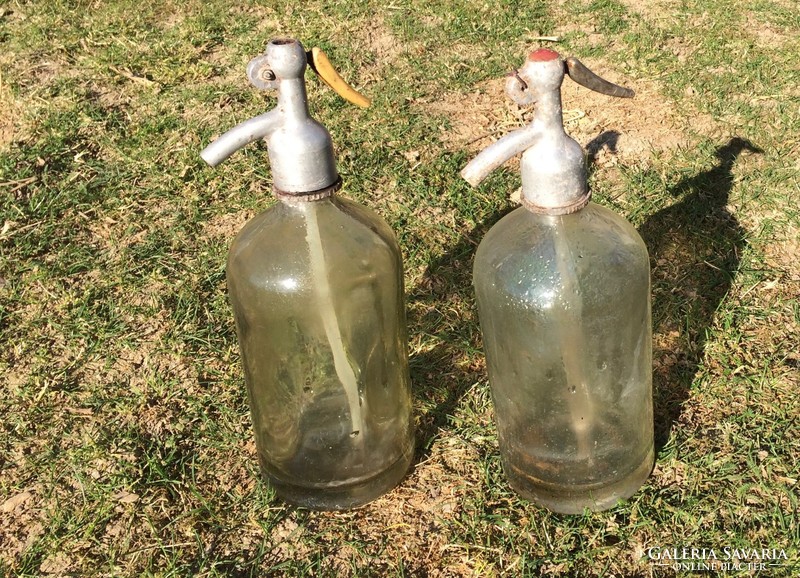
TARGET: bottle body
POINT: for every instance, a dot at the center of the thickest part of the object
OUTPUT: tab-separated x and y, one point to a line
564	307
317	292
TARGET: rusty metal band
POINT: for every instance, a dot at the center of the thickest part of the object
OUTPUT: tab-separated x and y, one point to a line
307	196
567	210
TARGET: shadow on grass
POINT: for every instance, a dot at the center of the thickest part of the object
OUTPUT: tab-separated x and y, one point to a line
443	303
607	140
695	247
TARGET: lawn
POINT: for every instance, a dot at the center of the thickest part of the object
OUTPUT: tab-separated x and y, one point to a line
125	440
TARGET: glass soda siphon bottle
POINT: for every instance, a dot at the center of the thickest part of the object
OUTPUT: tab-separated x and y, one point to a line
563	292
316	287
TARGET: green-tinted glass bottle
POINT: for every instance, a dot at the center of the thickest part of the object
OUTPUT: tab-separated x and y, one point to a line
316	286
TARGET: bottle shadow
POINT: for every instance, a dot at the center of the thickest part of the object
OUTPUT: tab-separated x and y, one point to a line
605	140
695	247
442	305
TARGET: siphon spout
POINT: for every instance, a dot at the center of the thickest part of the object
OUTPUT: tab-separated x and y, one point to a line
241	135
499	152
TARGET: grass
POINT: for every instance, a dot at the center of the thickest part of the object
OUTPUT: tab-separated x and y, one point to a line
125	442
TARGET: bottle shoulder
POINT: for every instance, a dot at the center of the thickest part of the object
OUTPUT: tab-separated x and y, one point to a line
339	220
526	249
277	242
369	219
523	232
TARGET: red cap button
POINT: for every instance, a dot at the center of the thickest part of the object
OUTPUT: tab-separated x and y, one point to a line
543	55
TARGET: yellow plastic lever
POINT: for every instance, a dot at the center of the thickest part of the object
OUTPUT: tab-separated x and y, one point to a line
323	67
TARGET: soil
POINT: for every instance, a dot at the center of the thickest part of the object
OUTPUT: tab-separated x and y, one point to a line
11	121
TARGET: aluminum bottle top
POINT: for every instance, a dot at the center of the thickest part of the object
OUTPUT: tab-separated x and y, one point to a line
300	148
553	166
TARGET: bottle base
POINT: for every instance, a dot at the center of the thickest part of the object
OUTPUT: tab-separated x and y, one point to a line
574	499
342	497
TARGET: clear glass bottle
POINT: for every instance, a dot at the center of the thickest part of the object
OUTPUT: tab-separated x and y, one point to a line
317	290
316	285
563	290
565	314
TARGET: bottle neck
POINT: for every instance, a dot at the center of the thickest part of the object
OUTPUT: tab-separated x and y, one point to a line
548	120
554	179
300	149
293	102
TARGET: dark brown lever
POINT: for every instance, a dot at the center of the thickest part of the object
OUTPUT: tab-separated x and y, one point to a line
585	77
